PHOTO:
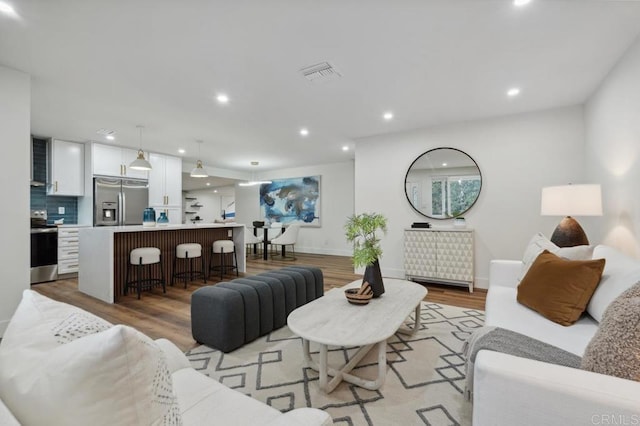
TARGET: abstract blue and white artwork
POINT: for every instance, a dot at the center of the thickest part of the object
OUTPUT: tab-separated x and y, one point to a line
291	200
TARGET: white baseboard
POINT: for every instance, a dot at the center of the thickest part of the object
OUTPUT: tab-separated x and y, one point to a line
329	251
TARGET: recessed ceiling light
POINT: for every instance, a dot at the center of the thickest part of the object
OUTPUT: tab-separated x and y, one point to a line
181	151
110	137
521	2
513	92
388	115
208	183
215	190
444	164
7	8
345	148
304	132
222	98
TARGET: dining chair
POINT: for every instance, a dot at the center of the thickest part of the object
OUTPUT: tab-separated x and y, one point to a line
288	238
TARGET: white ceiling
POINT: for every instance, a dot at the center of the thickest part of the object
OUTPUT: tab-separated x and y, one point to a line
115	64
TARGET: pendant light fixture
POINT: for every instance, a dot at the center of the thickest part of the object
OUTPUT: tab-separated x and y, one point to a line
140	163
253	180
199	171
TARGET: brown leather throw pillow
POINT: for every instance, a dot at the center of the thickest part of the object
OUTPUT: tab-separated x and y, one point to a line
560	289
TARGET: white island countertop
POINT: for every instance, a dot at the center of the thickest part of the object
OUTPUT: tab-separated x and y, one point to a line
138	228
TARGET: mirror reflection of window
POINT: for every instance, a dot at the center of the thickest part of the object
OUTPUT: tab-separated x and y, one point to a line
438	197
443	183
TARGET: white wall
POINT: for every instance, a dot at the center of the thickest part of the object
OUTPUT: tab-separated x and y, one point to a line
517	156
336	189
15	117
612	118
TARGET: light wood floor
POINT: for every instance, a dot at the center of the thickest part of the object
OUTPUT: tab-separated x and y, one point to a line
168	315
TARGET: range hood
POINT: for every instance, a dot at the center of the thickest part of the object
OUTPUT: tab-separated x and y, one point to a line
33	181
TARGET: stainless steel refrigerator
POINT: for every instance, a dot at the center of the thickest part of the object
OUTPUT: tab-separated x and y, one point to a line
119	201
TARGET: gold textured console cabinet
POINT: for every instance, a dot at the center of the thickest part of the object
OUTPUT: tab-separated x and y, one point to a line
442	256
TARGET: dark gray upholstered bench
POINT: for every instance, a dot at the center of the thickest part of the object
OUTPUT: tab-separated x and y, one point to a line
227	315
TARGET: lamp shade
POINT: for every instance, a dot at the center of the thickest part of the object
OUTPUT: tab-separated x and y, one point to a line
571	200
140	163
199	171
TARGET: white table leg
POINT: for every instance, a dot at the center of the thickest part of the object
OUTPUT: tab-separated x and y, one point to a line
323	368
343	373
405	329
307	354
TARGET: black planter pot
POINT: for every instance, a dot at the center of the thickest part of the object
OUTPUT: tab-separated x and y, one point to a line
373	276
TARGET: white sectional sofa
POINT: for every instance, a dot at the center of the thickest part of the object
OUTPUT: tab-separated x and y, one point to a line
509	390
60	365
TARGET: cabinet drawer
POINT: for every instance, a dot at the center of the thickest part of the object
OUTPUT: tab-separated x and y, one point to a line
68	242
70	252
68	232
67	266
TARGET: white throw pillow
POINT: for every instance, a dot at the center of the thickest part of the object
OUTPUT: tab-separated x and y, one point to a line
539	243
54	372
620	273
40	324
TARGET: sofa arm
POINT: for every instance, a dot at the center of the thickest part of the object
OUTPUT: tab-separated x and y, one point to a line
504	273
6	417
175	358
509	390
302	416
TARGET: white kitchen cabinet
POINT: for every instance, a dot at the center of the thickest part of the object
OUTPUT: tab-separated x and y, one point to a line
439	255
66	168
165	185
67	250
109	160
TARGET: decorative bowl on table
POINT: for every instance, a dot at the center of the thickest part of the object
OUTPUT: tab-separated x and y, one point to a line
258	223
359	296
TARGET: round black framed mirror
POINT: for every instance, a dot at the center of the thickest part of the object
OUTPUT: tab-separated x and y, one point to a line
443	183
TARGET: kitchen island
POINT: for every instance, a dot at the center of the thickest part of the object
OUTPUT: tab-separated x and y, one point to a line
104	252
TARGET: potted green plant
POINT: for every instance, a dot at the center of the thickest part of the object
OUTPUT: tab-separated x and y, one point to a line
362	230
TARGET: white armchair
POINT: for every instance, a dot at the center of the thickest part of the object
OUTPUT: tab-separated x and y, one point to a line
288	238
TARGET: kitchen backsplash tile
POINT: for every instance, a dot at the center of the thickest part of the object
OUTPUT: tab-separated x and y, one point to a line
39	198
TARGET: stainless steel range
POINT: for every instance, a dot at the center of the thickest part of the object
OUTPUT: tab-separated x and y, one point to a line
44	248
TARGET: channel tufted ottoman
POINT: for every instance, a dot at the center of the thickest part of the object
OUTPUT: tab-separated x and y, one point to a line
227	315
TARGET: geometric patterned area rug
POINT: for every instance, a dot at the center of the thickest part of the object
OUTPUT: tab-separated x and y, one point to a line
424	382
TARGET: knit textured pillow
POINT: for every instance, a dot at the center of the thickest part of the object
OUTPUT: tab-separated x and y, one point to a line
615	348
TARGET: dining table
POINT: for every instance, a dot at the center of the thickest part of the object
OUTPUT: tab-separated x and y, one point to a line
265	241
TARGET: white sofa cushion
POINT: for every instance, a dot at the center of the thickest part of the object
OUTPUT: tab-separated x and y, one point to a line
203	400
502	310
54	372
6	417
539	243
620	273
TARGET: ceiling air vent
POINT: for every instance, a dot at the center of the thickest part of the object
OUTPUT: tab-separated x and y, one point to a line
109	134
319	73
